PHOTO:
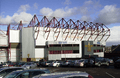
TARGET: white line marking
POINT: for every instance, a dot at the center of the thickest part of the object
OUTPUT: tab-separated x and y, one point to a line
110	75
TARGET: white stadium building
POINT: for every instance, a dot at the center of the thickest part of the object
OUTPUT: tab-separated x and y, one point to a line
53	40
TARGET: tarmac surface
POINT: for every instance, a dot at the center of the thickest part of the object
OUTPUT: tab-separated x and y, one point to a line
96	72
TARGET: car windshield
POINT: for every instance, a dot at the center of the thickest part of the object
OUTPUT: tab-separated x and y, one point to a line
12	75
81	60
49	61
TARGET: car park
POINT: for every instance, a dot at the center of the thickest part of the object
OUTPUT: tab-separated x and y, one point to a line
6	70
30	65
27	73
117	64
72	74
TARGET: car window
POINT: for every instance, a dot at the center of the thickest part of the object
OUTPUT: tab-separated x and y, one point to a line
3	73
36	73
24	75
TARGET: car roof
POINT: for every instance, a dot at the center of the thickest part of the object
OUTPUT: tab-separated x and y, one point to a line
62	74
10	67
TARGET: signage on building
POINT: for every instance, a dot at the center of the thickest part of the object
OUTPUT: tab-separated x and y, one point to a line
62	42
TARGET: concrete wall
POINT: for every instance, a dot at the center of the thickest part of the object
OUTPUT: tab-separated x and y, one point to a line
39	53
3	40
3	56
14	36
28	43
14	55
42	36
100	54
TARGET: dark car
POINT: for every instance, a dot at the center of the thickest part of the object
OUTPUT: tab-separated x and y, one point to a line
101	61
6	70
27	73
21	64
117	64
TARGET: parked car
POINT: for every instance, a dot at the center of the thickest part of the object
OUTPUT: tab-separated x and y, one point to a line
66	63
27	73
117	64
74	74
30	65
21	64
101	61
6	70
55	63
72	63
81	63
46	63
110	61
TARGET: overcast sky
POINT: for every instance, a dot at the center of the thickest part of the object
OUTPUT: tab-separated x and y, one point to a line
99	11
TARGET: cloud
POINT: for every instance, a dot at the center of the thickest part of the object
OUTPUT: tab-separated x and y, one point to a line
83	11
66	12
24	8
85	18
109	15
114	38
88	2
35	5
67	2
21	15
16	18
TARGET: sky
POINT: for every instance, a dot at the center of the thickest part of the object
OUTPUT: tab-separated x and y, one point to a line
98	11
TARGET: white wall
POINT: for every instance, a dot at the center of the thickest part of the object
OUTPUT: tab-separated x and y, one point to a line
39	52
100	54
14	36
42	36
14	55
4	41
3	55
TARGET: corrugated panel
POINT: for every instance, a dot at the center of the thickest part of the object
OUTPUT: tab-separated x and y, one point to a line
28	42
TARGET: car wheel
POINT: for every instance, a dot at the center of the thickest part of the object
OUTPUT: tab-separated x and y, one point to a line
108	64
57	65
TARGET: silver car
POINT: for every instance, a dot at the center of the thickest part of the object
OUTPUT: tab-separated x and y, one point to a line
29	65
27	73
73	74
6	70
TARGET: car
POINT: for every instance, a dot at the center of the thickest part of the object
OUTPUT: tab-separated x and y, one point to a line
30	65
27	73
81	63
6	70
55	64
46	63
66	63
111	62
21	64
72	74
117	64
72	63
101	61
